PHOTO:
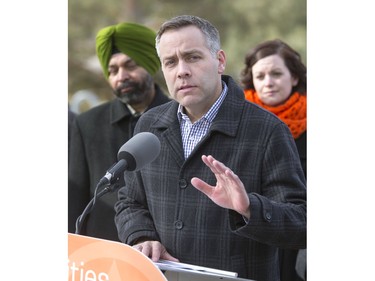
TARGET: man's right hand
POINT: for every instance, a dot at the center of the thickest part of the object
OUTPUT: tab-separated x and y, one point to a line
154	250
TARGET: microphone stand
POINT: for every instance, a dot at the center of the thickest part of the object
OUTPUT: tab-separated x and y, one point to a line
90	206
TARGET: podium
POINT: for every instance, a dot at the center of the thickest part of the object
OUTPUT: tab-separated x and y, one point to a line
97	259
104	260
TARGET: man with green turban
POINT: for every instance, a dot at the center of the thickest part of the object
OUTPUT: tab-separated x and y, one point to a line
129	61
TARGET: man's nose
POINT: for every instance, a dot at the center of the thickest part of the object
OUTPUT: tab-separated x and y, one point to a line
183	70
123	74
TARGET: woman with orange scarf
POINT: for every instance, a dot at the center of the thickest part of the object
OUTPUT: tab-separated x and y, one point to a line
274	77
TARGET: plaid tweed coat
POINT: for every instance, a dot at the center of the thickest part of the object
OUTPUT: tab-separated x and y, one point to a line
159	201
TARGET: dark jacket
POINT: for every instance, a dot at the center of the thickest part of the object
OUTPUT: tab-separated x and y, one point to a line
96	137
288	257
160	203
301	143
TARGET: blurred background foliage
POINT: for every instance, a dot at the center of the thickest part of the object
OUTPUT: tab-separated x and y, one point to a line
242	24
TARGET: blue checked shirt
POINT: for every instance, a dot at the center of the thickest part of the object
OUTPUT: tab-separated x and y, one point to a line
193	133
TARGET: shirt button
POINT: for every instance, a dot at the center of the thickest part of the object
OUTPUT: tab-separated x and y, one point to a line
182	183
179	224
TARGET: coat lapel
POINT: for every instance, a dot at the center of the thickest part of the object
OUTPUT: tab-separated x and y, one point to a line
171	133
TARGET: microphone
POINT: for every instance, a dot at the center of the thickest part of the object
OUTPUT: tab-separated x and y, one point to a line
137	152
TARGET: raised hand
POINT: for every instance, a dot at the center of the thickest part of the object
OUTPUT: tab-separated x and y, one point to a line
229	191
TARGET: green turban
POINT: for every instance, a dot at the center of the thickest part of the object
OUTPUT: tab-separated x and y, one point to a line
134	40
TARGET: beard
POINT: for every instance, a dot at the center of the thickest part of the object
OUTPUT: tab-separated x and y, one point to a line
137	91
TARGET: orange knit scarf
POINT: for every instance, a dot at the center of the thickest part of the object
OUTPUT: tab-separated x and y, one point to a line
292	112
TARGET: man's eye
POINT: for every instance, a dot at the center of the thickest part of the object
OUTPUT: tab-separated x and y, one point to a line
193	58
131	65
112	71
169	62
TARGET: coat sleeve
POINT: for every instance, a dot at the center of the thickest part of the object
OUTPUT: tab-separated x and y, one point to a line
131	208
278	213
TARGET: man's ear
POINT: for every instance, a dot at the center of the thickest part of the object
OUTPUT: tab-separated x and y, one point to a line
222	61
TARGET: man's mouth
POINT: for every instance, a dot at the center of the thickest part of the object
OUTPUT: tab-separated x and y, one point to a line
185	87
125	87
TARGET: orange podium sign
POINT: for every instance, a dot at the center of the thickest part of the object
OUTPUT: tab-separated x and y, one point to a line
93	259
